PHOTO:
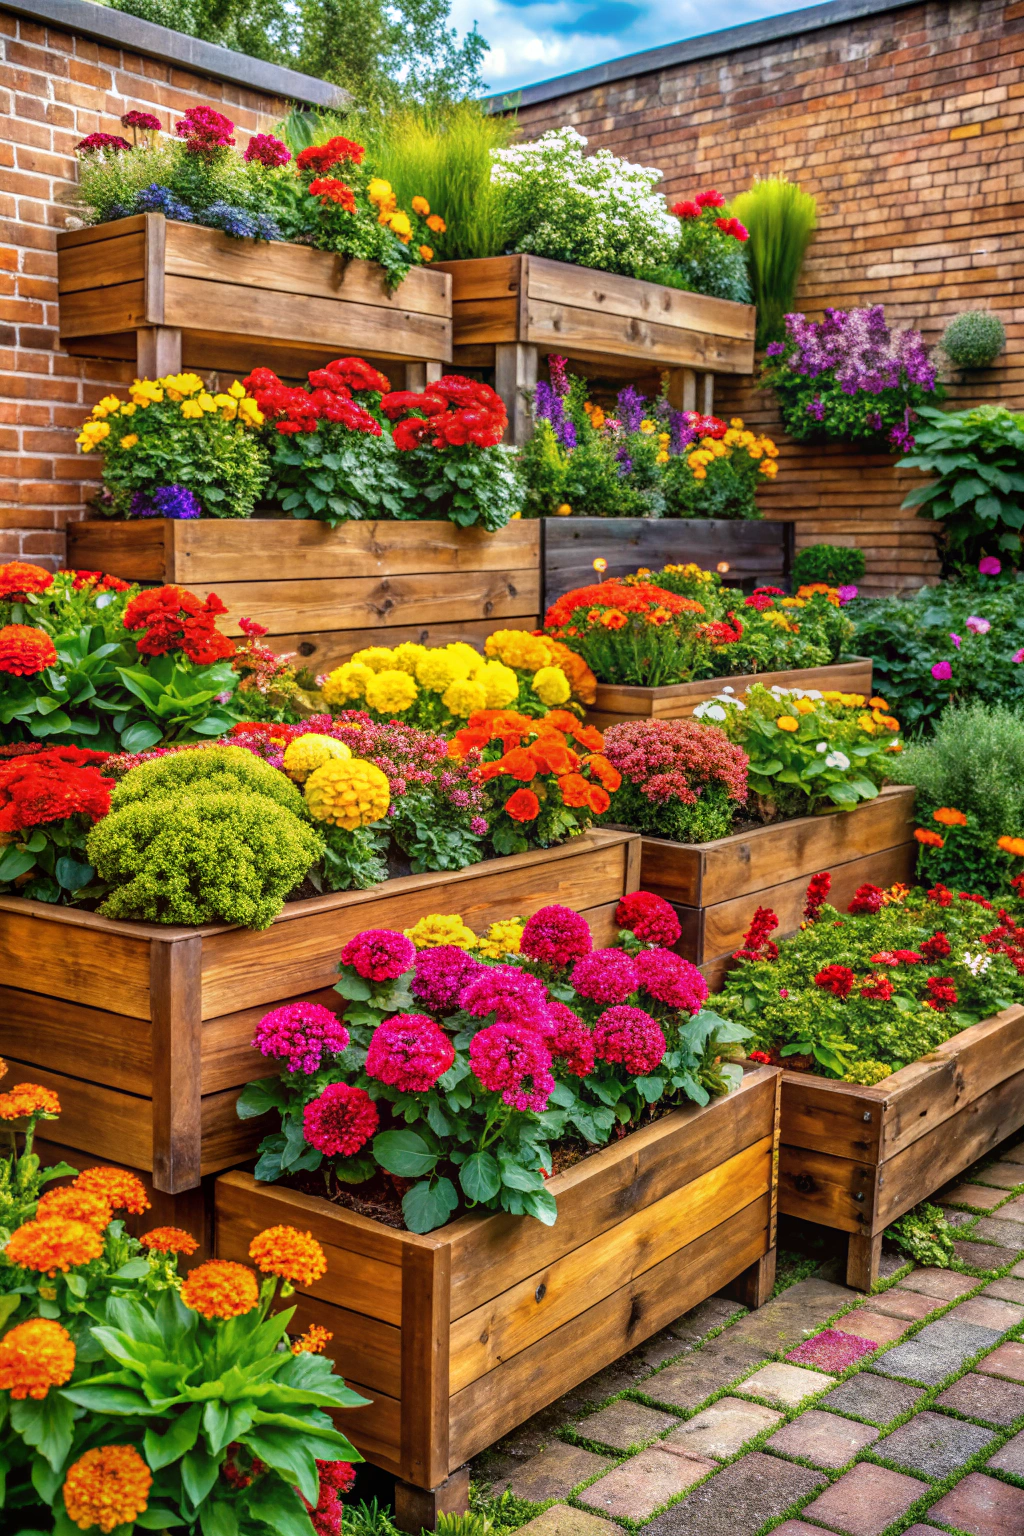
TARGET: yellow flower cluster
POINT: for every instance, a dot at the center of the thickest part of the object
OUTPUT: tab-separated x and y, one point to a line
737	437
382	195
873	713
186	390
397	681
307	753
690	571
501	938
347	792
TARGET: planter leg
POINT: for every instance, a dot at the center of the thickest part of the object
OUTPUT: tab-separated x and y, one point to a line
157	351
708	392
417	1509
515	369
682	389
862	1261
753	1286
419	375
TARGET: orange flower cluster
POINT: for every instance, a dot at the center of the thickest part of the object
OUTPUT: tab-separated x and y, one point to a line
74	1204
313	1342
293	1255
220	1289
528	751
25	1100
947	817
120	1188
169	1240
50	1244
24	651
34	1357
654	603
929	838
107	1487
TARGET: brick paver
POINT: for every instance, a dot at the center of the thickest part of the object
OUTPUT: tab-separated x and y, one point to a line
825	1439
1001	1175
1006	1361
556	1472
933	1444
983	1506
989	1311
900	1303
985	1255
739	1499
1010	1458
977	1195
723	1429
786	1384
985	1397
563	1520
867	1323
939	1350
943	1284
636	1488
865	1500
624	1423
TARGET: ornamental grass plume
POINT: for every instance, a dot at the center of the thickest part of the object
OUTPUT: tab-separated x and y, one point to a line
107	1487
780	220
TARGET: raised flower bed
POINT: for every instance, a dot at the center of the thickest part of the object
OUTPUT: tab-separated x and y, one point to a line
460	1335
677	701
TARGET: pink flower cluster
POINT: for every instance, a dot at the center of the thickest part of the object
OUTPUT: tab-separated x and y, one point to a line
670	980
205	130
676	759
630	1037
556	936
568	1038
301	1035
409	1052
441	975
606	976
379	954
510	994
513	1060
650	918
340	1121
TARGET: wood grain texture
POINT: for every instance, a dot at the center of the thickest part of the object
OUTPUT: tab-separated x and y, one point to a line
839	1119
176	996
70	1037
502	1399
365	1348
572	330
426	1283
820	1187
135	551
228	1058
677	701
82	267
609	293
109	1124
98	311
225	1141
75	955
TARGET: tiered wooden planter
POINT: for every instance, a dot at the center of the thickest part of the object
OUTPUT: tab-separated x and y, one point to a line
144	1030
677	701
742	550
326	592
508	310
856	1158
716	887
459	1336
167	295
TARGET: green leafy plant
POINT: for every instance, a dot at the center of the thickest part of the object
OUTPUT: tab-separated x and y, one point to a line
976	462
832	563
709	252
925	1236
780	220
973	339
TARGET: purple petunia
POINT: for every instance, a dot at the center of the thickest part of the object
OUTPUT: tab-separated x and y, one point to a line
942	671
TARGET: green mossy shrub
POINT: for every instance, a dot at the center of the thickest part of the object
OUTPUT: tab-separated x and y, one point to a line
973	339
828	562
208	770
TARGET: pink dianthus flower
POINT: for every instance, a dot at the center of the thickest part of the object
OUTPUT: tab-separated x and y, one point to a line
671	980
556	935
409	1052
441	974
630	1037
300	1034
380	954
340	1121
650	918
568	1038
514	1061
606	976
513	996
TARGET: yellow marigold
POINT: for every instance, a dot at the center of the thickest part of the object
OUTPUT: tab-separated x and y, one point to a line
768	467
26	1099
169	1240
392	692
647	426
464	697
867	724
220	1289
129	440
421	206
379	658
1013	845
787	723
462	652
305	753
124	1191
73	1204
438	669
563	509
313	1341
348	793
249	412
106	407
401	226
346	683
437	929
948	817
551	686
107	1487
378	190
831	696
500	685
57	1244
34	1357
404	657
662	457
285	1251
227	405
128	409
502	938
804	706
518	648
877	703
191	410
146	392
183	383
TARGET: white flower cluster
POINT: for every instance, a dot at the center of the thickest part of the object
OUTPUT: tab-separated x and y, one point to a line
591	210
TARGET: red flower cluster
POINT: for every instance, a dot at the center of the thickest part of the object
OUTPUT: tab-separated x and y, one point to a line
340	1121
817	895
336	1477
94	143
299	409
205	130
706	426
868	900
145	120
265	150
837	979
650	918
631	1037
756	943
686	210
454	412
937	947
733	227
25	651
1007	939
878	989
379	954
409	1052
334	191
896	957
176	620
18	579
319	158
52	785
723	631
556	935
710	199
513	1060
641	598
941	994
80	579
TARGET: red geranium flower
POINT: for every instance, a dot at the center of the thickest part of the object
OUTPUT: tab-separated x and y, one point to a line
334	191
320	157
176	620
18	578
52	785
687	210
523	805
710	199
837	979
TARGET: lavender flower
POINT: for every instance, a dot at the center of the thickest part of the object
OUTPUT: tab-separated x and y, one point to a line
858	348
158	199
846	595
631	408
175	501
816	408
559	376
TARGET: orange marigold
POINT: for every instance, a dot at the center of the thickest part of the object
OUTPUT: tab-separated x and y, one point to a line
929	838
107	1487
574	789
285	1251
51	1245
124	1191
613	619
18	578
26	1099
313	1341
947	817
588	736
599	799
220	1288
523	805
73	1204
1012	845
604	772
34	1357
169	1240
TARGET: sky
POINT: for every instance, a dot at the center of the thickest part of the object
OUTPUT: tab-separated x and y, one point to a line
533	40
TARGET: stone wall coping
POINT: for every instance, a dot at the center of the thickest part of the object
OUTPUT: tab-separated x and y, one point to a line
89	19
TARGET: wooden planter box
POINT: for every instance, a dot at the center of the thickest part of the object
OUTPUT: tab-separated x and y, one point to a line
716	887
856	1158
170	295
741	549
677	701
459	1336
326	592
143	1030
508	309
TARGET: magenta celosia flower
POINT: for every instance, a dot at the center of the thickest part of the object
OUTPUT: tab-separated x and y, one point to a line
301	1035
671	980
556	935
846	595
267	150
514	1061
942	671
409	1052
630	1037
204	130
650	918
956	639
568	1038
441	974
676	759
837	979
606	976
513	996
340	1121
380	954
988	565
1018	656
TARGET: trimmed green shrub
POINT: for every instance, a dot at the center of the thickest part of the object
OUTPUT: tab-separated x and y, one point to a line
974	339
209	770
202	855
828	562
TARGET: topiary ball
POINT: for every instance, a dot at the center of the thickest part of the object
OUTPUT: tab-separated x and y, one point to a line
201	856
974	339
210	770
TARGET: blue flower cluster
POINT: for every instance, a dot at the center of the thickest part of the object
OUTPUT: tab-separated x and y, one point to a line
175	501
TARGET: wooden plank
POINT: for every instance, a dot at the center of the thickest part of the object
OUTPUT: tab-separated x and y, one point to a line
95	311
94	234
484	277
571	330
485	322
297	317
93	1118
322	652
70	1037
135	551
224	1141
228	1058
277	267
841	1119
609	293
539	1304
677	701
363	1347
386	602
497	1402
820	1187
155	274
175	992
701	874
426	1283
85	961
492	1253
376	1429
90	266
242	968
364	1257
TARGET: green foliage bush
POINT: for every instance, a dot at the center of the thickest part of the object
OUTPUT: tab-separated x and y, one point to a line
211	770
976	460
925	1236
705	260
199	855
780	220
828	562
974	339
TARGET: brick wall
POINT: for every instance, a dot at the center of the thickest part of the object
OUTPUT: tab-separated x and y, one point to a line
55	87
907	125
